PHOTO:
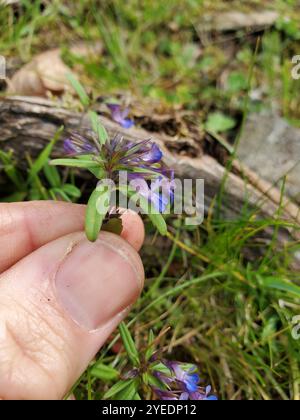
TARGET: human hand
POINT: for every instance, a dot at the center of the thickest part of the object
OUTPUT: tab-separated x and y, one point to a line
60	296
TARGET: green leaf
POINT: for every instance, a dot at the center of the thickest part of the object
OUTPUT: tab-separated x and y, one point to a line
15	197
117	388
75	163
79	89
59	192
11	171
35	194
14	175
160	367
279	284
6	157
237	82
137	170
52	175
155	382
104	372
99	200
71	190
98	172
129	344
159	222
98	128
156	218
269	329
43	158
145	378
129	392
218	122
150	349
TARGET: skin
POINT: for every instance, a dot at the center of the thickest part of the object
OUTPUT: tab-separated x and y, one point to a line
51	279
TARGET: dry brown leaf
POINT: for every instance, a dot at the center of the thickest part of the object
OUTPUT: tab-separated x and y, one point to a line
45	73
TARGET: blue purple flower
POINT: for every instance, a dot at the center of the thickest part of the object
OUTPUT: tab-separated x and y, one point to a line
154	155
187	377
120	115
160	193
142	161
181	384
77	145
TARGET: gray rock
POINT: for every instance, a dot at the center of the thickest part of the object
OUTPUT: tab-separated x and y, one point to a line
270	146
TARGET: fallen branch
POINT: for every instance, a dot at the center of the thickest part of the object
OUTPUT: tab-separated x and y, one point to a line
27	124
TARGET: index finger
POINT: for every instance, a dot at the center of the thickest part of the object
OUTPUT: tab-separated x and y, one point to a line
24	227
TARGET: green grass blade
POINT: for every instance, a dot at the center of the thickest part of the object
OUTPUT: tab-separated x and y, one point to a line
44	156
282	285
79	89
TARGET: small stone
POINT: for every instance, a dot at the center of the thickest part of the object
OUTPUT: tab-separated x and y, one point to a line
270	146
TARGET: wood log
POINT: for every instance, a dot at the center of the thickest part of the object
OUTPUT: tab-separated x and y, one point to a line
27	124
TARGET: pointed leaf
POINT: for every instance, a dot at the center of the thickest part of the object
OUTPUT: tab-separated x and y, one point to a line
279	284
79	89
104	372
137	397
75	163
129	344
157	219
52	175
129	392
117	388
98	172
59	193
159	222
44	156
71	190
98	128
150	348
155	382
11	171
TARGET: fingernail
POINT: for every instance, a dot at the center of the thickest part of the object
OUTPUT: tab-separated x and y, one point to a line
98	280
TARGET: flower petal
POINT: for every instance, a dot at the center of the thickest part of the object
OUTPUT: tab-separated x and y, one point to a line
120	116
154	155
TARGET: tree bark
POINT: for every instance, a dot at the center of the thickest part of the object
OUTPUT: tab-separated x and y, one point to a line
27	125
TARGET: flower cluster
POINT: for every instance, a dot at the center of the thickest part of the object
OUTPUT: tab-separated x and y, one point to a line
142	162
168	380
125	168
180	382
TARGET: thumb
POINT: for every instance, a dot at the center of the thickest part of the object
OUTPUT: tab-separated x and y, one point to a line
57	307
